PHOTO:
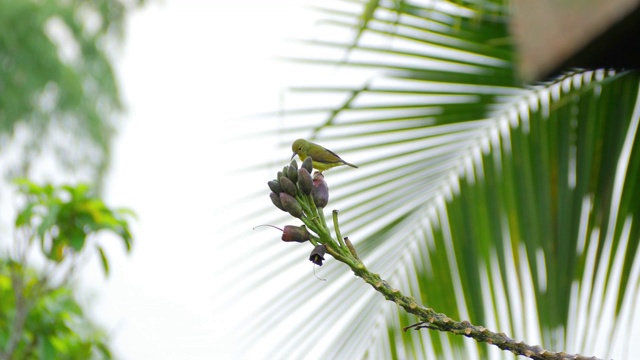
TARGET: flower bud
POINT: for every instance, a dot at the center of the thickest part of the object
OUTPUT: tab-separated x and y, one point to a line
288	186
292	173
305	183
274	185
295	233
294	164
290	204
317	255
275	199
308	164
320	191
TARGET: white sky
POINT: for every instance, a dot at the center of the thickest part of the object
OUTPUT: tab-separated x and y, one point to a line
187	70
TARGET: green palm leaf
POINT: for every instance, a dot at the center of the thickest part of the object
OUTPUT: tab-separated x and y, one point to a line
510	207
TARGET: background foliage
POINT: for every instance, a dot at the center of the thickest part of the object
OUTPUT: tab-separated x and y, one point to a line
39	317
55	327
59	100
58	90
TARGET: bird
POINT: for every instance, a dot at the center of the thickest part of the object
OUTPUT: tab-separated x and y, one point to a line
323	158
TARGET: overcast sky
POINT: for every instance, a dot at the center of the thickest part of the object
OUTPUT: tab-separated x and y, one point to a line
188	70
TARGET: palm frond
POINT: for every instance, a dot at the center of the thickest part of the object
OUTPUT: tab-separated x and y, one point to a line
512	207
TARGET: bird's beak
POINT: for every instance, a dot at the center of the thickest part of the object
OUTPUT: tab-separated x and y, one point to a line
292	156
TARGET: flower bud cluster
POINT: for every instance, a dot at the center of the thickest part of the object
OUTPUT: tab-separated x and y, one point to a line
296	191
292	182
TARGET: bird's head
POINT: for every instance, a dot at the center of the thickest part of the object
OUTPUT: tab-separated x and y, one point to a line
298	147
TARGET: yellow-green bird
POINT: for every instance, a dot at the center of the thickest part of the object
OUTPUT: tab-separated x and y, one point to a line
323	159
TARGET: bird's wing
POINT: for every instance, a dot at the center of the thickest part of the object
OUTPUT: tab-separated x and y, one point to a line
329	157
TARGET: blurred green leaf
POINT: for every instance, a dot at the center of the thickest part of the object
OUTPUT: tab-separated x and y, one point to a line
104	260
67	216
47	348
24	217
51	218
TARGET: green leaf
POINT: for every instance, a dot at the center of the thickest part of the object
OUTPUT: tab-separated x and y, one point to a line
48	347
50	219
77	239
24	216
104	260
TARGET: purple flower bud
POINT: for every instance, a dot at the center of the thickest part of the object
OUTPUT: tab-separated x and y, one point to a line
292	173
290	204
275	199
274	185
320	191
308	164
288	186
305	183
295	233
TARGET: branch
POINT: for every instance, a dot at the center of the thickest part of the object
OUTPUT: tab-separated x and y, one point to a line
438	321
